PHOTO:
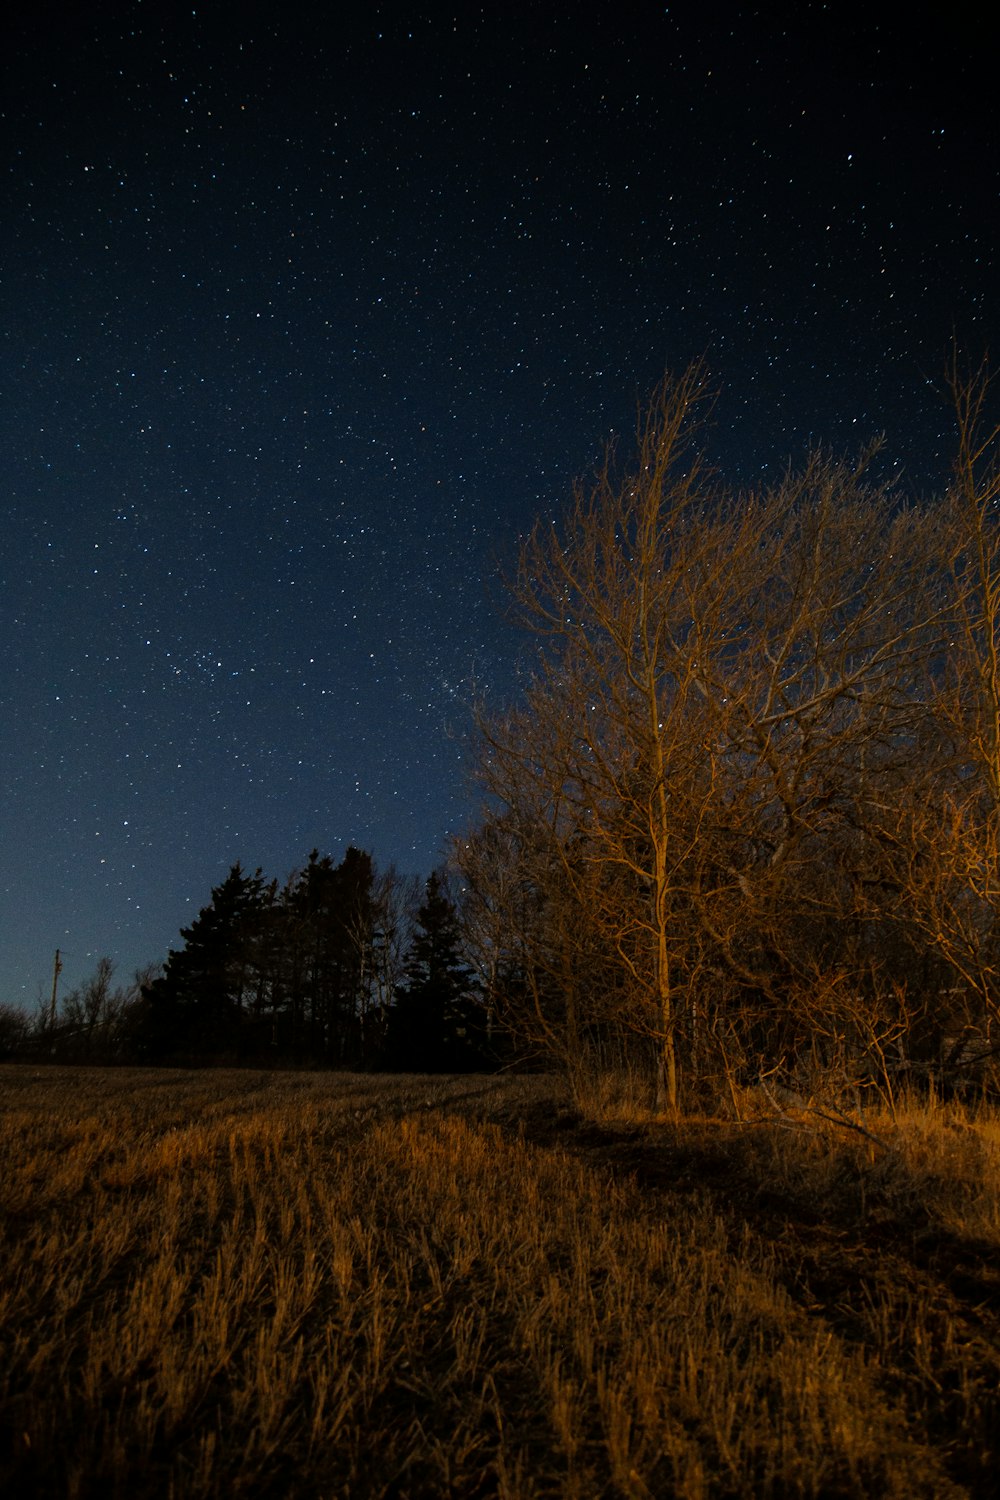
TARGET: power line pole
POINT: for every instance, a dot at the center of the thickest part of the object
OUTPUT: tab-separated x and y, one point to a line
56	971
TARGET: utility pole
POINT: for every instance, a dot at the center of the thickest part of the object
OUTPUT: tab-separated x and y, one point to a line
56	971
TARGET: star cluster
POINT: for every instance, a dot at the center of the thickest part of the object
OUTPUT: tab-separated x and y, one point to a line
309	317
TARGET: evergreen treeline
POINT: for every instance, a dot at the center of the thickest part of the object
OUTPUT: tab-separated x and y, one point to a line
334	968
340	967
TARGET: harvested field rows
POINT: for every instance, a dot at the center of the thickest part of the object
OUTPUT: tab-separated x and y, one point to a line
224	1283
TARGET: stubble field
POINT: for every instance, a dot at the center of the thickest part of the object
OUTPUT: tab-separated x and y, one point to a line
262	1284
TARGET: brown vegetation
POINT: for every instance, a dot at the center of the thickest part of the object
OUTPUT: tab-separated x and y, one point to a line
223	1283
744	819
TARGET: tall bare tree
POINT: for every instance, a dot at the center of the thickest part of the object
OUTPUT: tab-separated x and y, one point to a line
610	762
720	683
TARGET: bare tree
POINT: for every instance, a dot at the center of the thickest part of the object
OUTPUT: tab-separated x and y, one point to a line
383	948
98	1017
943	829
611	762
825	718
723	684
546	974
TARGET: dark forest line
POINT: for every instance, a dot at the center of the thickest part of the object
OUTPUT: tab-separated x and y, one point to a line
343	966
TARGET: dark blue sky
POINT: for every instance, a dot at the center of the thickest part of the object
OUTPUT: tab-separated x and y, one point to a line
307	319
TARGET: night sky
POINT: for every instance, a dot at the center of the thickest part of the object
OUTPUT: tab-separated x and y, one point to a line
307	319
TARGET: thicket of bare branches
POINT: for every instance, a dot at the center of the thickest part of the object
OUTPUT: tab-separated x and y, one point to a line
744	819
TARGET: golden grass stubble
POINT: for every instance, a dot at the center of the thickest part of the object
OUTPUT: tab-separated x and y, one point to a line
296	1285
905	1259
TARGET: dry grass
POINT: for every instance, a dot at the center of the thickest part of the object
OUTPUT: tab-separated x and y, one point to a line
234	1284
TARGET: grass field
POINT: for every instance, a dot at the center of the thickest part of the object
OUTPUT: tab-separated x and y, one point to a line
249	1284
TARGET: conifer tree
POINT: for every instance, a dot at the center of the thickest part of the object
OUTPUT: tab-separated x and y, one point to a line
199	1003
437	1022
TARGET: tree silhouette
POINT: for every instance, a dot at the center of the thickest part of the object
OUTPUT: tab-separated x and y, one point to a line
202	1000
437	1024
